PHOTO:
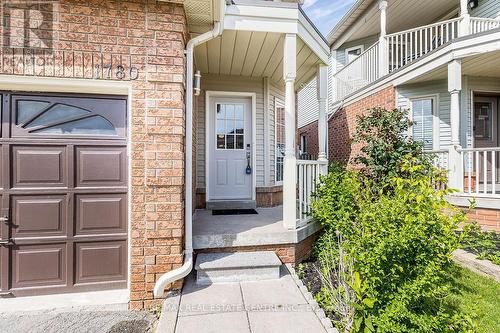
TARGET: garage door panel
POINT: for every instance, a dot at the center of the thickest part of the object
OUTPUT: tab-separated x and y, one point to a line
101	166
39	166
101	214
100	261
1	166
63	164
40	215
38	265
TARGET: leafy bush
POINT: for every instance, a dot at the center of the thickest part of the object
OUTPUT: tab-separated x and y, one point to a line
397	229
486	245
400	244
386	144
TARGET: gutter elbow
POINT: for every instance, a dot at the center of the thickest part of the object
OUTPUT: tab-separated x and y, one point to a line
172	276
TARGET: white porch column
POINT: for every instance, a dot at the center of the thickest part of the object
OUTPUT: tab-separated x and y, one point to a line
383	61
464	14
290	164
455	161
322	93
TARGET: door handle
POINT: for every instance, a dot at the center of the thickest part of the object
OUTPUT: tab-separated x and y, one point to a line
4	219
7	242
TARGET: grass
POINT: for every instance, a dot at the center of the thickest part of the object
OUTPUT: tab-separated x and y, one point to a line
477	296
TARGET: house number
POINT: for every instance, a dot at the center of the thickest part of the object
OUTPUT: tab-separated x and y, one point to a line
119	72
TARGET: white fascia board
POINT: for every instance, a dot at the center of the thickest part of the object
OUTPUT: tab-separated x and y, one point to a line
263	24
278	20
312	39
371	10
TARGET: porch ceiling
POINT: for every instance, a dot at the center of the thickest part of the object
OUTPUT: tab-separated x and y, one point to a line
482	65
253	54
401	15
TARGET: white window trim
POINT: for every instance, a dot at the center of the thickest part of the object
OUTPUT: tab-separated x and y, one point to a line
303	142
436	137
362	47
277	104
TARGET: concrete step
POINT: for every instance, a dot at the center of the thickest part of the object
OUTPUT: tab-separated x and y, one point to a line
236	267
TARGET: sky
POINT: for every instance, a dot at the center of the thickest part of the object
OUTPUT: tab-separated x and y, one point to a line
326	13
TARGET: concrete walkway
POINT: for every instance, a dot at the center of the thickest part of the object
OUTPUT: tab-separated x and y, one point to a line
270	306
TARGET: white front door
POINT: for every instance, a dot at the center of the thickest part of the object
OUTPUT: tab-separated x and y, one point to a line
230	149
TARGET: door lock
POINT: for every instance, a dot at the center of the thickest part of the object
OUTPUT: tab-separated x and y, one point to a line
4	219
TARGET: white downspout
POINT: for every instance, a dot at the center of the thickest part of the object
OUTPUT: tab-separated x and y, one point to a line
186	268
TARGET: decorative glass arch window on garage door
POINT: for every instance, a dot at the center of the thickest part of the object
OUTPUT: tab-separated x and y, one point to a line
55	117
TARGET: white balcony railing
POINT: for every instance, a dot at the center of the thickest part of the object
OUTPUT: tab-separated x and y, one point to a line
481	170
308	173
407	46
358	73
402	48
439	158
481	24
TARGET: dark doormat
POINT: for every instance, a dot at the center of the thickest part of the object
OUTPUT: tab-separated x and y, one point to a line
234	212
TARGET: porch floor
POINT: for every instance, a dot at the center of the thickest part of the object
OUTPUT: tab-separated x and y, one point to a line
222	231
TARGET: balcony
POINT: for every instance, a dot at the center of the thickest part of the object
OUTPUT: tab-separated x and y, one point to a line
395	51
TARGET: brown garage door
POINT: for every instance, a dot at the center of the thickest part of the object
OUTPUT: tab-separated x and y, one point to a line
63	167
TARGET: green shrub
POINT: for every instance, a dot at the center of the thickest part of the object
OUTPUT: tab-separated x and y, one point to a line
486	245
386	144
400	243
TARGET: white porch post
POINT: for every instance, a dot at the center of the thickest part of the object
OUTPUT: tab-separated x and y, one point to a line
455	161
290	163
322	93
464	14
383	61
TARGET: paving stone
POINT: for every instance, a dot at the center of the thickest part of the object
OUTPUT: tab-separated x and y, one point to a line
228	322
282	291
290	322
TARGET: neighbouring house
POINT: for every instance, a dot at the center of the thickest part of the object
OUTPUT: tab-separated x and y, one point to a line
125	123
438	59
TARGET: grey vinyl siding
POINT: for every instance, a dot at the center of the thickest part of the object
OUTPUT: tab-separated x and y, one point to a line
486	8
307	106
276	93
469	85
236	84
341	56
438	89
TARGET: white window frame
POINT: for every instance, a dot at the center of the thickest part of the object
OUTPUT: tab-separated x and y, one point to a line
303	143
361	47
436	138
277	104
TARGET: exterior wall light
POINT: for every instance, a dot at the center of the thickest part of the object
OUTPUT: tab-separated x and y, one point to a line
197	83
473	4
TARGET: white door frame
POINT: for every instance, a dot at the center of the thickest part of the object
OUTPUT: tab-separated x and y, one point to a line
208	96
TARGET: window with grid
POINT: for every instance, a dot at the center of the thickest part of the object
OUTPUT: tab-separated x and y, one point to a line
230	126
423	120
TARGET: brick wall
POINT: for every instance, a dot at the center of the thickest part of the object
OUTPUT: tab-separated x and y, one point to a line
342	126
489	219
311	133
151	36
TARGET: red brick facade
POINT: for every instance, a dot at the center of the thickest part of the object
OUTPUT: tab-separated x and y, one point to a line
489	219
342	126
151	36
